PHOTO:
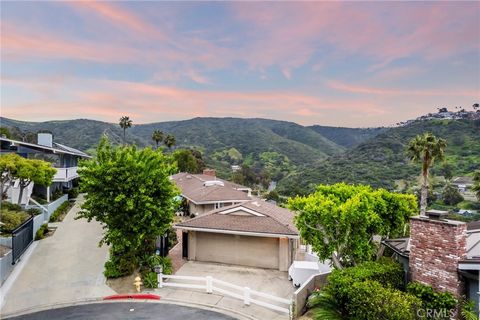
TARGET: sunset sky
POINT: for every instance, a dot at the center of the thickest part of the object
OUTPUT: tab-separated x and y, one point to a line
342	64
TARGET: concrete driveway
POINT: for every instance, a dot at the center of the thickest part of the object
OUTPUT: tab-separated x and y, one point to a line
268	281
62	268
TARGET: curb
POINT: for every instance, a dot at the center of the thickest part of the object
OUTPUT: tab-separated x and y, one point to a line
225	311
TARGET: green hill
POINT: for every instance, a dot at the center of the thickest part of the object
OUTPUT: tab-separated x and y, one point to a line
348	137
381	160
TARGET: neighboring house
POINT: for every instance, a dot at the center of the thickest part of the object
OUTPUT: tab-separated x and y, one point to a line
442	253
463	184
63	158
205	192
254	233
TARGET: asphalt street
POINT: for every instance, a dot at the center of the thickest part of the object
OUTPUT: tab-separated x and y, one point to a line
125	310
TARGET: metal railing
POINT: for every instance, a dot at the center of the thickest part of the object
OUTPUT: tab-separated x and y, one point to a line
22	237
210	285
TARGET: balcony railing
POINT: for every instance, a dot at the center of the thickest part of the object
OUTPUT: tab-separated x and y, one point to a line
65	174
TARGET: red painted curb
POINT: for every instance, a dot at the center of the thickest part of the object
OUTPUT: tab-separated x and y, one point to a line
140	296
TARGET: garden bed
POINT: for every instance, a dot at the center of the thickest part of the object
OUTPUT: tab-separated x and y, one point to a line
61	212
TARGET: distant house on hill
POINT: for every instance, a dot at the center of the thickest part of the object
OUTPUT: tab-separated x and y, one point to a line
205	192
63	158
463	184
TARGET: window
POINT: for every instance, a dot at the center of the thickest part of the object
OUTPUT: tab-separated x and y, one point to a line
219	205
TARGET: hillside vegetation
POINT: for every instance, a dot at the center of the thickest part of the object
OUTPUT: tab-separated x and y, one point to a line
381	160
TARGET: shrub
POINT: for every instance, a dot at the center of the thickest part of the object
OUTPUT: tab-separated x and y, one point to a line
154	260
12	219
385	271
42	232
10	206
150	280
369	300
34	211
62	209
72	193
432	299
120	265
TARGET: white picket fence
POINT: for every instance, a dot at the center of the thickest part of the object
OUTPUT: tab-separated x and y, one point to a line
210	285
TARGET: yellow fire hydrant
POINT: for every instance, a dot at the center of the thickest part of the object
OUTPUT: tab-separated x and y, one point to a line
138	283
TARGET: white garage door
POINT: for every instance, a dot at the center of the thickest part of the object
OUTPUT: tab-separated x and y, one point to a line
240	250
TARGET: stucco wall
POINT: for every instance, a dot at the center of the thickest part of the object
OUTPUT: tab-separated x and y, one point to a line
262	252
301	295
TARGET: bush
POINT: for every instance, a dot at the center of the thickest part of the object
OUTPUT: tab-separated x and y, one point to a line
154	260
42	232
385	271
150	280
62	209
369	300
12	219
10	206
432	299
73	193
34	211
120	265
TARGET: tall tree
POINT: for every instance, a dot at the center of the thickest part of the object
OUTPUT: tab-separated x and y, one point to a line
187	161
426	148
129	191
125	123
170	141
476	184
8	169
340	221
157	136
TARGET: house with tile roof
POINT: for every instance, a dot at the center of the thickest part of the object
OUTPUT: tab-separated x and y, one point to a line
205	192
252	233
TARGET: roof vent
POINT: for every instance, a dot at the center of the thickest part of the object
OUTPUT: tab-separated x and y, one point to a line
213	183
436	214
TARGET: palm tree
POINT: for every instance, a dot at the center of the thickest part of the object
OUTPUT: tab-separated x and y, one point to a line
425	148
125	123
157	136
169	141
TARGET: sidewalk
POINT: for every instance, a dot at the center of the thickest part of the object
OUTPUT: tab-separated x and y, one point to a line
66	267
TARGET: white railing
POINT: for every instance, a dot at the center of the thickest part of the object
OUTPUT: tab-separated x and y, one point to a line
65	174
210	284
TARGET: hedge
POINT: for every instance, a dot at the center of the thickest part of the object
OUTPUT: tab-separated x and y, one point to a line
385	271
431	299
42	232
62	209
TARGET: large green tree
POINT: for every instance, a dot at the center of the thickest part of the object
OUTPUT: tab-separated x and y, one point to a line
125	123
170	141
451	196
340	220
8	169
189	160
426	148
130	193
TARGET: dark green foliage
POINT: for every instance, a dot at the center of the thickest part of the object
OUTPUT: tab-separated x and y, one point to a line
476	184
130	193
150	280
432	299
6	205
34	211
386	272
451	196
348	137
325	306
5	132
60	211
369	300
42	232
189	160
73	193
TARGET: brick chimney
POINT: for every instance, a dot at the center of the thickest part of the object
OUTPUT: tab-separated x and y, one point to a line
436	246
209	172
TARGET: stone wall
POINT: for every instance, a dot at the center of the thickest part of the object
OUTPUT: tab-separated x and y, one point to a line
436	248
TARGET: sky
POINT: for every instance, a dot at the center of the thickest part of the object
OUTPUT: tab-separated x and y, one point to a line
354	64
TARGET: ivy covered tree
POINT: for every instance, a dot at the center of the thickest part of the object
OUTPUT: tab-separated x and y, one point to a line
130	193
340	220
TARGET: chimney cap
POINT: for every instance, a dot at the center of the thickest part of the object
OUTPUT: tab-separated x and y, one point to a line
436	214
